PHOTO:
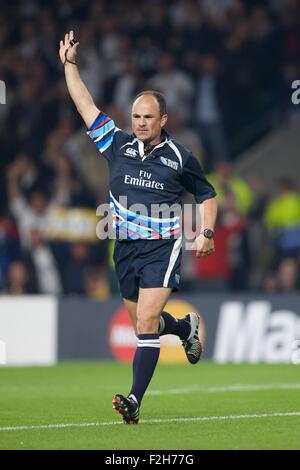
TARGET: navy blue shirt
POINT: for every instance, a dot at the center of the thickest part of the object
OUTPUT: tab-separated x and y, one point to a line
154	176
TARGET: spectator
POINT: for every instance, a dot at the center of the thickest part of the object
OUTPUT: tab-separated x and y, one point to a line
209	113
96	283
28	214
9	247
176	86
288	276
282	219
225	181
42	265
19	281
126	88
91	68
285	280
269	284
76	267
229	267
67	189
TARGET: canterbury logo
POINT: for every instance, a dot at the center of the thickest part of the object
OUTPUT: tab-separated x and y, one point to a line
131	152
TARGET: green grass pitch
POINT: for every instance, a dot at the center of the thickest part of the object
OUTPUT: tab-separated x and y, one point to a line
206	406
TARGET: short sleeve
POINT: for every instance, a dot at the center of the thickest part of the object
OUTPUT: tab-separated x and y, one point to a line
194	180
102	132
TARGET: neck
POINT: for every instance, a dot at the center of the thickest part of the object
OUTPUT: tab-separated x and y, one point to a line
153	142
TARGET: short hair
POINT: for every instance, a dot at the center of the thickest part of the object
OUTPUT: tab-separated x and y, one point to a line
159	98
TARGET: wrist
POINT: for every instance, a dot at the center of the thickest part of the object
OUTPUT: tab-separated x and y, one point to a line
67	61
207	233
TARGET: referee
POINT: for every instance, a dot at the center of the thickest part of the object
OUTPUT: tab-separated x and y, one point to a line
149	168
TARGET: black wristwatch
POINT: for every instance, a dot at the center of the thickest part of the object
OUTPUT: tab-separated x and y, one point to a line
207	233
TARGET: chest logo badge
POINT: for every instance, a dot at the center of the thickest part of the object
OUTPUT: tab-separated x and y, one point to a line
130	152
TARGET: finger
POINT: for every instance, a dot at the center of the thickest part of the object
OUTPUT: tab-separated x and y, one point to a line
61	44
205	253
71	35
75	45
66	39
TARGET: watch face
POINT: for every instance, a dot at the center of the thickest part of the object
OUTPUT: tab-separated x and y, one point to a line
208	233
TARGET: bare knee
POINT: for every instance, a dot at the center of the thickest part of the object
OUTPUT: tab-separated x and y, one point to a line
147	323
150	304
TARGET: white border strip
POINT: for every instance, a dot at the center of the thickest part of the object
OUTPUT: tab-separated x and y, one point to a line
152	421
176	151
229	388
174	255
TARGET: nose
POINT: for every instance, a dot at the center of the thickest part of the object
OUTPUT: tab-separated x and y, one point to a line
142	122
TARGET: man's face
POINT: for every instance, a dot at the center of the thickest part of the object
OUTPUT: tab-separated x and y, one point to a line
147	122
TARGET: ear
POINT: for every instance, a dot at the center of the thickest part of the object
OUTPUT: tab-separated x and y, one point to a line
163	121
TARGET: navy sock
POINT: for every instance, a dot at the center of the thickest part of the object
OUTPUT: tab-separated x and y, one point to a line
169	325
144	363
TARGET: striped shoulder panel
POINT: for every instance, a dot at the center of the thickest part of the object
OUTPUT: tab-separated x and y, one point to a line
102	131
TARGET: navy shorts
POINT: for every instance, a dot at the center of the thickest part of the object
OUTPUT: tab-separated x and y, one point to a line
146	264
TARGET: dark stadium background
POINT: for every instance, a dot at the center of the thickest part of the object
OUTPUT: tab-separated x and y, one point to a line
226	68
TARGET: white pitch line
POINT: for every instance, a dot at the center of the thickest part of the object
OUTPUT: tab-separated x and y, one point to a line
230	388
151	421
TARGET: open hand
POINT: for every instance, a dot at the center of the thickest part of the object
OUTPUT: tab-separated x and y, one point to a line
66	48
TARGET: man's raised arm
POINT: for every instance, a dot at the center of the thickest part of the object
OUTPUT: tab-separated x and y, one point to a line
77	89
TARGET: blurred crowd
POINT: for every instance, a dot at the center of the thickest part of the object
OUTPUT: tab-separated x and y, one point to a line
225	67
